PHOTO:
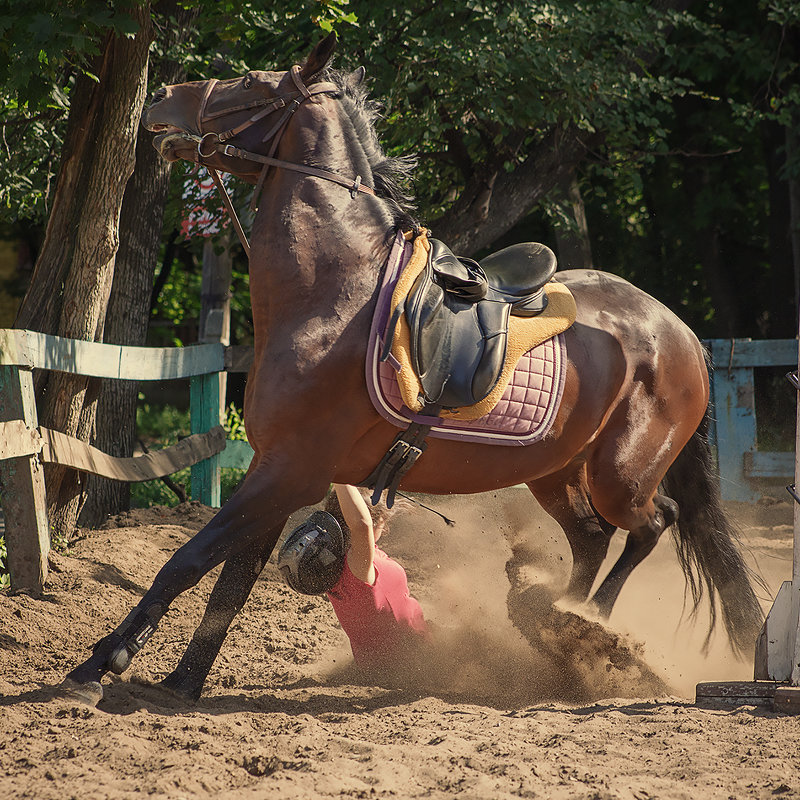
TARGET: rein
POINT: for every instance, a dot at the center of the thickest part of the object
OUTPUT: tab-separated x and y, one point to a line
212	143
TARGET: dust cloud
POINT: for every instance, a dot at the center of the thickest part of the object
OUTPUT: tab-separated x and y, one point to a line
512	648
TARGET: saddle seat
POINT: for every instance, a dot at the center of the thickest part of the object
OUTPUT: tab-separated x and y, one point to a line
518	274
452	318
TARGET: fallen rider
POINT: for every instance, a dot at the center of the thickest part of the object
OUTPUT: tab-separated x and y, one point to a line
334	553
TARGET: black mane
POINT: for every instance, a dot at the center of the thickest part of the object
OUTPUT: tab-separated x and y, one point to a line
391	175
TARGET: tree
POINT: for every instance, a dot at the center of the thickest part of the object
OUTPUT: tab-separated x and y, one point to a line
519	112
503	101
128	313
704	223
69	291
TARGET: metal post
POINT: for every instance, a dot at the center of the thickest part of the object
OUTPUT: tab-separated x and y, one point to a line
794	620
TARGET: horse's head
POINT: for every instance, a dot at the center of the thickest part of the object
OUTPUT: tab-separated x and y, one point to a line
196	120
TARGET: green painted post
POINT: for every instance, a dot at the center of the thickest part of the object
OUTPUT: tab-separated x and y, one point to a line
205	412
22	481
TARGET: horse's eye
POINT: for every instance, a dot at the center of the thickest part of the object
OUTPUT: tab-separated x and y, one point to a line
248	81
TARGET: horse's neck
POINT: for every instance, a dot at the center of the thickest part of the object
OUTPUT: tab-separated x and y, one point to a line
316	242
316	251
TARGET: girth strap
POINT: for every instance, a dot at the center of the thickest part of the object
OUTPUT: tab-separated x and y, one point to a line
403	453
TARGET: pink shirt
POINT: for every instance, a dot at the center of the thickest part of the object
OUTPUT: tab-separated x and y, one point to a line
381	620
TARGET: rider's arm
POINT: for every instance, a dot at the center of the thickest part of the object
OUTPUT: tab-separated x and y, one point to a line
360	556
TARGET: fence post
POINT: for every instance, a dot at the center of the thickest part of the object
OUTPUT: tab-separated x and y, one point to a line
24	501
214	328
205	413
734	409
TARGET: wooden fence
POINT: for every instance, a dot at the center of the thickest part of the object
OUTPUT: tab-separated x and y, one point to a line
25	446
741	464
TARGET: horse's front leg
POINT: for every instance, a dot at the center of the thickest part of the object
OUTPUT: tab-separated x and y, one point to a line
269	494
230	593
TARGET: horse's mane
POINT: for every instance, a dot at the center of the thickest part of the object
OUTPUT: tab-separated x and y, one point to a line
391	174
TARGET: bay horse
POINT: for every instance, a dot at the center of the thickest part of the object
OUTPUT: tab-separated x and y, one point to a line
633	417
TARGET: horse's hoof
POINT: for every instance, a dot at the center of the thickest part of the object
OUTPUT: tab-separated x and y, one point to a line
179	686
90	693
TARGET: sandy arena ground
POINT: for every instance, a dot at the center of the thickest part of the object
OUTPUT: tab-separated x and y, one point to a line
592	712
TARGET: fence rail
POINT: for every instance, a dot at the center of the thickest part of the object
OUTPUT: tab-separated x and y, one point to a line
24	445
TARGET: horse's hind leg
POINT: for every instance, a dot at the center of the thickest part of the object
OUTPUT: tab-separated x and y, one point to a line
565	497
638	546
230	593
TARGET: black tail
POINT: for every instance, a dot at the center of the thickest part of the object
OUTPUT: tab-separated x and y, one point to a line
708	544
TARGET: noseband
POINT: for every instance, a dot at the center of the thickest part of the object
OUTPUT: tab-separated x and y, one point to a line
212	143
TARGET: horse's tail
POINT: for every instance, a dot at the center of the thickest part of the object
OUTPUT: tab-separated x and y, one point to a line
708	544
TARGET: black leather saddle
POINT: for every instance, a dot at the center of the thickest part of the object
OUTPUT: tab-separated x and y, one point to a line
458	314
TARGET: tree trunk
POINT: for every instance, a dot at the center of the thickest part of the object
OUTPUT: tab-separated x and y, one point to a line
573	246
126	322
128	313
513	194
72	279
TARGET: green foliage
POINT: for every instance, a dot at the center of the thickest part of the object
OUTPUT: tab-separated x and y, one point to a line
161	426
145	494
44	45
177	307
178	302
229	482
27	174
158	427
234	424
696	221
473	86
682	101
234	36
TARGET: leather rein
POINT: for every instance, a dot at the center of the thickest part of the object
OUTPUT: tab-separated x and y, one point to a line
212	143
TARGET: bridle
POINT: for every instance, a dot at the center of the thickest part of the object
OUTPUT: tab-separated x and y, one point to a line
212	143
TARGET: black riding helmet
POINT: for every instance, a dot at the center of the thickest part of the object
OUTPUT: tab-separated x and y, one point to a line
311	559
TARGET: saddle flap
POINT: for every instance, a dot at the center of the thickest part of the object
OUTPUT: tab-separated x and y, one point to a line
423	311
457	344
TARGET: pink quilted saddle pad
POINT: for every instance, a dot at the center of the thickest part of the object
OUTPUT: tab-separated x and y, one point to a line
524	414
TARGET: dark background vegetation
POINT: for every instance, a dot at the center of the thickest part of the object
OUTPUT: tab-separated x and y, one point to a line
656	140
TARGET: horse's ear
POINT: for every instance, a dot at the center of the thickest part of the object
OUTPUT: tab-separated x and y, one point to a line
318	57
356	77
